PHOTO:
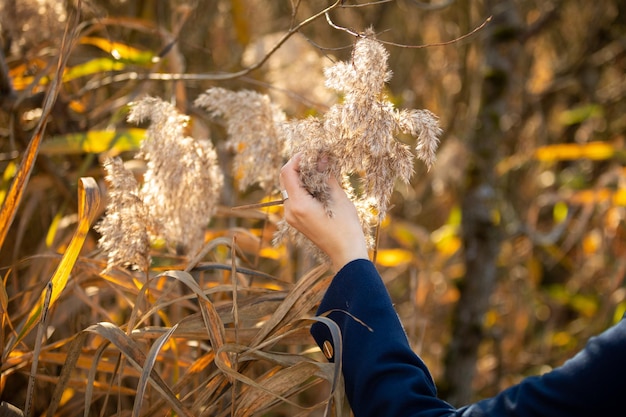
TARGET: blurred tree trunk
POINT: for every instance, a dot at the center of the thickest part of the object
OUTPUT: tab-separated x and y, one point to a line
481	236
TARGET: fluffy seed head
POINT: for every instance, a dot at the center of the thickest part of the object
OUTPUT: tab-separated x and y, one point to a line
124	228
253	124
182	181
358	137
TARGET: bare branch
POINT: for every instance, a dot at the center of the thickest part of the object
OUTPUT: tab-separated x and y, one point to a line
351	32
361	35
428	45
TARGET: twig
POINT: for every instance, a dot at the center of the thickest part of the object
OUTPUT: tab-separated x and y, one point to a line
460	38
350	31
400	45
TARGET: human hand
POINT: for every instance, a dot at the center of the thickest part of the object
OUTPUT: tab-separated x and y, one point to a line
340	236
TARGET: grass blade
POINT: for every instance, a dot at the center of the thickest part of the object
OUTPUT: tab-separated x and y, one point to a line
88	200
135	356
30	393
72	356
212	320
147	369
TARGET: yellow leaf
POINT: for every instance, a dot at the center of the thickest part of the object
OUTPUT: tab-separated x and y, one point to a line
393	257
119	50
8	175
620	311
88	202
561	339
54	227
93	66
600	195
272	253
619	198
596	151
559	212
446	239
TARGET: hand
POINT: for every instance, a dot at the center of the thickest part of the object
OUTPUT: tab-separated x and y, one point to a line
340	236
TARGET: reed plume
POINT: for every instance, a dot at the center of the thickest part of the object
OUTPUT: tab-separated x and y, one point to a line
254	127
124	228
358	137
180	188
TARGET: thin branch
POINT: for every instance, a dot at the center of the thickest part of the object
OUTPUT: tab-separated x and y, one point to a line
294	11
460	38
351	32
400	45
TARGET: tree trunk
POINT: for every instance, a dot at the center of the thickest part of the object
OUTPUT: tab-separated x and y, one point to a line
481	236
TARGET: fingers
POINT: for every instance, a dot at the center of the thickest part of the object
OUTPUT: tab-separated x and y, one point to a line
340	236
289	176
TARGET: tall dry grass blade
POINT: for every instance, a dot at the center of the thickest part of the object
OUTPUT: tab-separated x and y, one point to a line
88	202
303	297
335	392
334	377
147	369
233	277
71	357
235	311
91	377
14	195
276	386
212	320
136	357
238	376
30	391
292	374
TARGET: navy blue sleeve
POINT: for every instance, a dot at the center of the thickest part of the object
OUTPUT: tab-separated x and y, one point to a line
384	377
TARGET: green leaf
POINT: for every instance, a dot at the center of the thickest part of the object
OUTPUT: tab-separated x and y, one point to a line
580	114
94	66
95	141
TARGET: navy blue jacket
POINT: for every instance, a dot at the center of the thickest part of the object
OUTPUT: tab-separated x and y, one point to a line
384	377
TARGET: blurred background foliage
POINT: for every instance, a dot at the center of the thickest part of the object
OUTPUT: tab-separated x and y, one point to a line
520	222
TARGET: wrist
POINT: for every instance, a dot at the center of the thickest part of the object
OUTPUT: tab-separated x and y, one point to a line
341	259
